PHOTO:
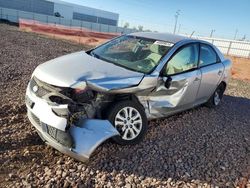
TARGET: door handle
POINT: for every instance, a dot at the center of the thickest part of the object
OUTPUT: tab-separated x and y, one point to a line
220	72
196	79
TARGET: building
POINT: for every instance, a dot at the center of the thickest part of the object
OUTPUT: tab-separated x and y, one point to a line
63	9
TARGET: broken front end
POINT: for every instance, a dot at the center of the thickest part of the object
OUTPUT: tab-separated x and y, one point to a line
68	119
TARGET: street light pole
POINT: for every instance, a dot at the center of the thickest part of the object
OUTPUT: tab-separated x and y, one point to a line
211	34
235	35
179	29
176	19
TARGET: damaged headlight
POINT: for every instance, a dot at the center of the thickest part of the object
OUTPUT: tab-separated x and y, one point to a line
81	93
79	87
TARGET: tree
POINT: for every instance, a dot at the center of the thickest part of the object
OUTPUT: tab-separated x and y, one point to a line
140	28
126	25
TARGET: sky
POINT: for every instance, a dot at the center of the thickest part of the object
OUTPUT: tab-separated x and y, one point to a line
200	16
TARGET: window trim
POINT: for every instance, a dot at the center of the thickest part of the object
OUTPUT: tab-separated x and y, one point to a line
178	50
218	60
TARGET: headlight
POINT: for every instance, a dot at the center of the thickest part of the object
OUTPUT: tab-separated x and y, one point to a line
79	87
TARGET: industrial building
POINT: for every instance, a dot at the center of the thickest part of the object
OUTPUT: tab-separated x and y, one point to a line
63	9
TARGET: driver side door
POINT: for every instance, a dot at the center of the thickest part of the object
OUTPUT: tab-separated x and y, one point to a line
178	84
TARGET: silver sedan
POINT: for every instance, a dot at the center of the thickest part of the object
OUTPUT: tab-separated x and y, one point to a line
78	101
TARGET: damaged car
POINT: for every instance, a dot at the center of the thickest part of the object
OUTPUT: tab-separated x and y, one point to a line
78	101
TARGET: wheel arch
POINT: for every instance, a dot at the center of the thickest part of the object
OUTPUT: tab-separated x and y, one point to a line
118	98
224	84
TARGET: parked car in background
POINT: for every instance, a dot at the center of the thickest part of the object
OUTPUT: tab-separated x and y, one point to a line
79	100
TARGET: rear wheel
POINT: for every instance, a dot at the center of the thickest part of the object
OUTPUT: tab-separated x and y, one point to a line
130	121
215	99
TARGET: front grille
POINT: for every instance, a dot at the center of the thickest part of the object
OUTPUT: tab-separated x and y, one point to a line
35	119
62	137
41	92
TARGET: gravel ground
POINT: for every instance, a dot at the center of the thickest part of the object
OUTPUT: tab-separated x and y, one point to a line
200	147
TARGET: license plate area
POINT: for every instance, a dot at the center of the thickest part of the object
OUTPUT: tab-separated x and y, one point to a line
51	131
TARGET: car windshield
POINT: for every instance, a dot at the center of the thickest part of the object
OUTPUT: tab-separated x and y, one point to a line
133	53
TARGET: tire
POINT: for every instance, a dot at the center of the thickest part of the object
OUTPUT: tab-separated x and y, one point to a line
215	99
131	126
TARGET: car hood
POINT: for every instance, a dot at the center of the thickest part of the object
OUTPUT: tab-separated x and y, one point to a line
68	70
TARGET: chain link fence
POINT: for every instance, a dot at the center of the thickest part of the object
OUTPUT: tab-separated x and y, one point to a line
230	47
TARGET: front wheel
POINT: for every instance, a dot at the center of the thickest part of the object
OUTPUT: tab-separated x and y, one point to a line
130	120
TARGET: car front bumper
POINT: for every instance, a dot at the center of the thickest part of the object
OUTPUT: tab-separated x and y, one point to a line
82	139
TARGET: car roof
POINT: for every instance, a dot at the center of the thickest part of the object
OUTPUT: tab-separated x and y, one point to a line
161	36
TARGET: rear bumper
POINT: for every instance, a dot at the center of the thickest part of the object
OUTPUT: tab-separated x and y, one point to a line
82	139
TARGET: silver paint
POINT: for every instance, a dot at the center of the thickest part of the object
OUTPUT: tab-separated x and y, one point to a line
87	138
186	90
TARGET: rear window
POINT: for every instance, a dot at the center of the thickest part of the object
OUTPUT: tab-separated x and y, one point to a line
207	55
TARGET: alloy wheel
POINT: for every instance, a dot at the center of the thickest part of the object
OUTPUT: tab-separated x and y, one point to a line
128	122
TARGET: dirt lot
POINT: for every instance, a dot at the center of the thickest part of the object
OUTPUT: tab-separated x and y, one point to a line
241	68
74	34
198	147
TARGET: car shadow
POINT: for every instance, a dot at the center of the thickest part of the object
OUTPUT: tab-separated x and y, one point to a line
201	144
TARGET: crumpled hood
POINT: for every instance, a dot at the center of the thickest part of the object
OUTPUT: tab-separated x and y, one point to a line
66	70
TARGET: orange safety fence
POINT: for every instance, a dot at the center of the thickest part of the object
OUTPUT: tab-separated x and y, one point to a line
76	34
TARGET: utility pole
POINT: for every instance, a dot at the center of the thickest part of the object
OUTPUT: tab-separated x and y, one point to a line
179	28
192	34
211	34
244	37
235	34
176	19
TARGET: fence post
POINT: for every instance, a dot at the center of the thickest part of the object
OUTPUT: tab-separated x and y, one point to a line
33	16
229	47
212	41
1	13
249	55
81	25
17	16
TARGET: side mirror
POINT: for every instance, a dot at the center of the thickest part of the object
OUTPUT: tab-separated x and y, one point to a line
168	82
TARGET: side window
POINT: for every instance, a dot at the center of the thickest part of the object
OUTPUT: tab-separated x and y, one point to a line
184	60
207	55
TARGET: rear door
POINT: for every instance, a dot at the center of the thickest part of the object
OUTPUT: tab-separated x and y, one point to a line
179	83
211	72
